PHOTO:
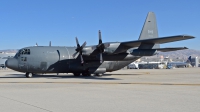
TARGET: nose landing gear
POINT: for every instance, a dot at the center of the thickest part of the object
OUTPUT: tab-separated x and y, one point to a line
29	75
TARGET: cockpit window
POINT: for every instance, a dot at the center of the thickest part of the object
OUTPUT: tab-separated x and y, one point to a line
23	52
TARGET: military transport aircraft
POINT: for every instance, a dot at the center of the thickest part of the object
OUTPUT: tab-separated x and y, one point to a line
180	64
95	59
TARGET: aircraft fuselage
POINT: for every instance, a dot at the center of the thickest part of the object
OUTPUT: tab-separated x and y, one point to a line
45	59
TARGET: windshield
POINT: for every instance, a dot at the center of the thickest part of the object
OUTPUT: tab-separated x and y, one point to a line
23	52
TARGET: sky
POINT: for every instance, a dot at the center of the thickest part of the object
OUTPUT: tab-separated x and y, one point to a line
25	22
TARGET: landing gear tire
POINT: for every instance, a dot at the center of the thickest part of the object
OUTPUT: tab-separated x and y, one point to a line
86	74
77	74
28	75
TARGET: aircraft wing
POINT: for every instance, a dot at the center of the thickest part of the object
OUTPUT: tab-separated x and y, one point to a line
124	46
171	49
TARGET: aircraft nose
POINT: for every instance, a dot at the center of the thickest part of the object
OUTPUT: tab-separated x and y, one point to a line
11	63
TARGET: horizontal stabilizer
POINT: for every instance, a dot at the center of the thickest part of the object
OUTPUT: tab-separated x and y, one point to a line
171	49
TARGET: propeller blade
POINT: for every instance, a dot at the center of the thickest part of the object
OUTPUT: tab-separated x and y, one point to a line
79	50
100	40
101	58
81	59
83	44
77	43
74	55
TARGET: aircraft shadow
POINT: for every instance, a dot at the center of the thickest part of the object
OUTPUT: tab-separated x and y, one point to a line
13	76
74	77
124	74
61	77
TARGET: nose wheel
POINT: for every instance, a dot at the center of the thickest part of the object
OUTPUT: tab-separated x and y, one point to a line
29	75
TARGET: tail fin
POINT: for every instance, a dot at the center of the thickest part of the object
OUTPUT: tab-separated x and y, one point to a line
189	60
149	29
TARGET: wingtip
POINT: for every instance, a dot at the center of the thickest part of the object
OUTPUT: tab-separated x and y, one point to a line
188	36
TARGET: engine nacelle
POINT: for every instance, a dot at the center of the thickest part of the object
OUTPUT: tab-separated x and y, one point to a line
108	51
144	52
112	48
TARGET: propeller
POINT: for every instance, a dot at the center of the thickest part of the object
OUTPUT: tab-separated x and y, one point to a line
79	50
101	46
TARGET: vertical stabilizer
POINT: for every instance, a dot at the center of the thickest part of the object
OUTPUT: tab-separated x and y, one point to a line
149	29
189	60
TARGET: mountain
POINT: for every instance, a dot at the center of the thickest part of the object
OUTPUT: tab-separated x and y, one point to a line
181	53
9	50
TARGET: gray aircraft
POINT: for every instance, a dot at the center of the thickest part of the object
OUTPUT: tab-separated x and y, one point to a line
95	59
179	64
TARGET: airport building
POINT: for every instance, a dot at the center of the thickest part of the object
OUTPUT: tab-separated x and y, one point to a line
151	65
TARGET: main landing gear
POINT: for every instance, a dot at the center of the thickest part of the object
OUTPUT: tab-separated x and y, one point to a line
83	74
29	75
87	74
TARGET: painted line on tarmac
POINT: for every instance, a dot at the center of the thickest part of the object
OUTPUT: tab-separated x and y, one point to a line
135	83
26	104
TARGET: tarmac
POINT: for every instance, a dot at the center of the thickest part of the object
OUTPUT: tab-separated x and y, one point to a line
152	90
